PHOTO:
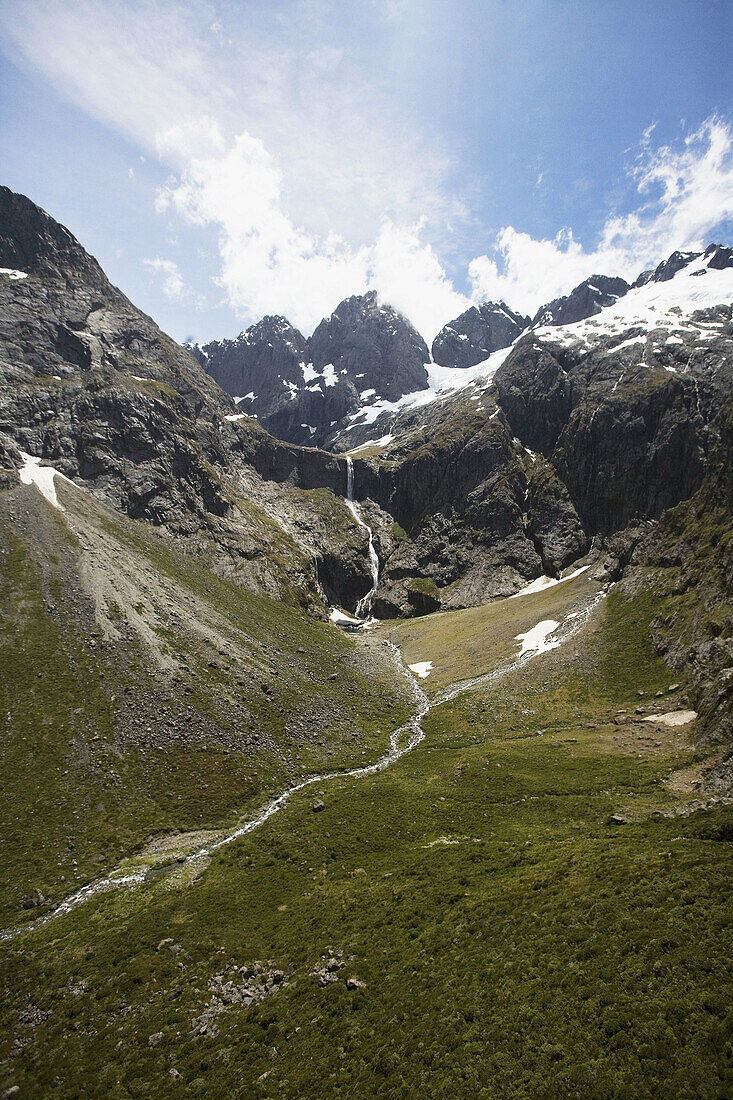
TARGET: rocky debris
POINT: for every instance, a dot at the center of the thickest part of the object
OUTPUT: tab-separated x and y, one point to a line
327	971
32	1015
618	819
587	299
237	985
35	900
318	805
154	1040
354	983
476	334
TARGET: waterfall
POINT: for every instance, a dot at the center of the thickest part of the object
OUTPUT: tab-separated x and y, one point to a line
364	605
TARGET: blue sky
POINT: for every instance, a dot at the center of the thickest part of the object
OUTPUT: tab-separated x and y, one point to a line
227	159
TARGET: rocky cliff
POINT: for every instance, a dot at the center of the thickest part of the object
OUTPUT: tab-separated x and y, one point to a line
306	391
91	385
478	332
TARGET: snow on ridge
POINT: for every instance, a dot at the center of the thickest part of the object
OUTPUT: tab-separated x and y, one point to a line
442	382
654	305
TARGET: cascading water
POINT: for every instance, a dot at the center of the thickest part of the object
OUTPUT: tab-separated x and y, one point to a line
365	603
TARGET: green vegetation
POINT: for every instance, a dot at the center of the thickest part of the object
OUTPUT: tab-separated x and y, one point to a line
103	746
509	940
472	642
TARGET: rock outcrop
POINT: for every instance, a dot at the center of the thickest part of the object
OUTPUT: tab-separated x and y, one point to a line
587	299
478	332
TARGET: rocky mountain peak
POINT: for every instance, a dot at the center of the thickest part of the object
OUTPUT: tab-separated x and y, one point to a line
585	300
373	346
33	242
262	364
476	334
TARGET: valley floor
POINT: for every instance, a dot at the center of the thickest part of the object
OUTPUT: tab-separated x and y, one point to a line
466	922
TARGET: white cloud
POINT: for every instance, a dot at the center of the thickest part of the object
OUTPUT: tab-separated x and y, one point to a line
315	175
305	173
686	193
408	274
174	286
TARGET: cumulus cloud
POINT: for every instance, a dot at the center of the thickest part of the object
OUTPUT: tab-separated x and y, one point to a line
173	283
685	193
315	176
314	180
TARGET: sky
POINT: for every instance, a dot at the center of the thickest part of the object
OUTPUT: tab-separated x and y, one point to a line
228	159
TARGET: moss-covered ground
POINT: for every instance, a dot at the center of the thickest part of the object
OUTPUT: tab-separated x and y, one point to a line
108	741
510	942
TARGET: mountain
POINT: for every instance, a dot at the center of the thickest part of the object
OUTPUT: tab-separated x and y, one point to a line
268	358
247	852
587	299
307	391
477	333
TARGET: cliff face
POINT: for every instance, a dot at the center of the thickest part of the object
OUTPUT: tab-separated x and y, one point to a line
477	333
91	385
625	418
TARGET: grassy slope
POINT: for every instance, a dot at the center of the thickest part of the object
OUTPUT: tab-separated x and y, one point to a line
476	640
101	747
544	953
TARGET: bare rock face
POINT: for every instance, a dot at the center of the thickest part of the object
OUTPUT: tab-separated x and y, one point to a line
478	332
587	299
624	418
553	524
303	391
372	346
261	366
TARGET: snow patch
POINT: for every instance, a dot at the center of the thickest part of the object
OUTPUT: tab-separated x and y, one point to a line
11	273
340	618
673	717
535	640
32	473
422	669
542	583
383	441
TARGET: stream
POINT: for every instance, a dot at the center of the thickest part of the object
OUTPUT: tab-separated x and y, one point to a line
402	741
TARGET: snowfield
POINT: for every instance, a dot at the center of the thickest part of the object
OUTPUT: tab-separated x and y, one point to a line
32	473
